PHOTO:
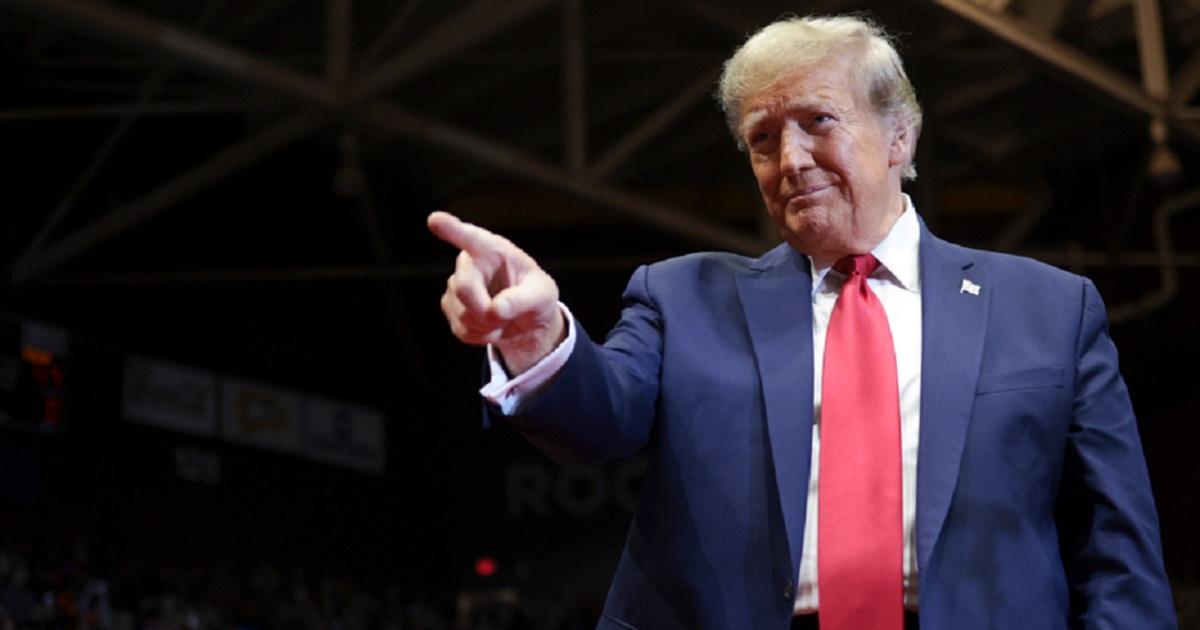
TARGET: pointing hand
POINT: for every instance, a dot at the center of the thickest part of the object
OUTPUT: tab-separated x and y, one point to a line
498	295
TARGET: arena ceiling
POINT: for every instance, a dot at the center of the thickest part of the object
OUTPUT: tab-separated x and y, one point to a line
243	185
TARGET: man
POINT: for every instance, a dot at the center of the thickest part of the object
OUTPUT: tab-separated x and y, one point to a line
1012	487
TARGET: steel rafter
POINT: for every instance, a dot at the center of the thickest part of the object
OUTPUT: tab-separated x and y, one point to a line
1128	94
484	17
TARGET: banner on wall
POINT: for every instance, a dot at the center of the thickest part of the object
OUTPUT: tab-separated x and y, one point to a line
261	415
343	434
199	402
169	395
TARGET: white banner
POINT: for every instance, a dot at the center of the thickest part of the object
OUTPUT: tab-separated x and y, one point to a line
343	434
261	415
169	395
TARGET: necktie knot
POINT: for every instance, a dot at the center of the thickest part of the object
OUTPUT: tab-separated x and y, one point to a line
863	264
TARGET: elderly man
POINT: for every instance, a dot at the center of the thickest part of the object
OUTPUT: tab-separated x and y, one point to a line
865	428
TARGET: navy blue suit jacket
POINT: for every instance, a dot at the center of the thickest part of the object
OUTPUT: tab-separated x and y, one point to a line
1033	502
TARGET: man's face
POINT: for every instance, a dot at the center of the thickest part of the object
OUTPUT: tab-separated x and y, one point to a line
828	169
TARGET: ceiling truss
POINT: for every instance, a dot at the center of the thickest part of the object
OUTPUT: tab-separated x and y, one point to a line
357	102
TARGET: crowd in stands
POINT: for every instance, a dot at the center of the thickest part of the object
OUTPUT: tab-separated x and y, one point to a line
61	588
47	587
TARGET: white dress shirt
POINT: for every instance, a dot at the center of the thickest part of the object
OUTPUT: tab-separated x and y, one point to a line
897	284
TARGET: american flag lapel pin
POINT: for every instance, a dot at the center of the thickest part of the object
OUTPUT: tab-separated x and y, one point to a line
969	287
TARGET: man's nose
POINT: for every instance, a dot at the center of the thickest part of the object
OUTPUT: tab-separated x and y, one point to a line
795	150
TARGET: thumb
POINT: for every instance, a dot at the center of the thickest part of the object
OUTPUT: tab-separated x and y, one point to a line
530	298
502	307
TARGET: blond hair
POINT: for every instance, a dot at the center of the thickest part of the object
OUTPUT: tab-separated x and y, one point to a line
792	44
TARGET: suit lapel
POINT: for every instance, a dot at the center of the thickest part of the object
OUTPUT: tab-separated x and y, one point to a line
954	320
776	295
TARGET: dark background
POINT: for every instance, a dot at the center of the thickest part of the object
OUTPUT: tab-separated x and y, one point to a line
243	186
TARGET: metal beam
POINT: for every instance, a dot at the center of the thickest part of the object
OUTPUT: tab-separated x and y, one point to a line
1017	33
481	19
130	30
994	147
970	95
126	29
1021	225
1095	260
603	106
148	89
81	183
329	273
1151	50
736	23
993	5
1046	15
334	273
743	25
1120	89
575	128
653	125
339	35
1186	82
1188	114
445	137
1169	261
120	110
1103	8
225	276
251	15
391	32
218	167
684	146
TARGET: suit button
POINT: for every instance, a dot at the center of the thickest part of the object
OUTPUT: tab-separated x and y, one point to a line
789	590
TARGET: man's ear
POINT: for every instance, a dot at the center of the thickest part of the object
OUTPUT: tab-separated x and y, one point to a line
902	144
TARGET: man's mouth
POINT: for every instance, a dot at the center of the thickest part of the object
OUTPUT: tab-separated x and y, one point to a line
803	193
810	190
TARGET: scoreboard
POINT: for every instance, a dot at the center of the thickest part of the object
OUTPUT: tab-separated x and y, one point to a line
33	358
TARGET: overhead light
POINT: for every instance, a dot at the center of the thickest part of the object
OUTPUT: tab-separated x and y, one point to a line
1163	166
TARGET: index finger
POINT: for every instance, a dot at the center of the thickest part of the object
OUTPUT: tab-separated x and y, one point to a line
468	237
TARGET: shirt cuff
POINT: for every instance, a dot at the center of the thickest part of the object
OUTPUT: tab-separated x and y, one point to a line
510	395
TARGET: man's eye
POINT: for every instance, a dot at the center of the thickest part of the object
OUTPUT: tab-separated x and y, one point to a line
759	138
820	119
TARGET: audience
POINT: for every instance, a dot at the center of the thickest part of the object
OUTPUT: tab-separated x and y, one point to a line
42	588
57	585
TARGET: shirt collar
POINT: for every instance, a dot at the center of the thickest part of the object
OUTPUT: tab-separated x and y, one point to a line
898	254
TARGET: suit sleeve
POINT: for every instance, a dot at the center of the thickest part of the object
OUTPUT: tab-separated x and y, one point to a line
602	404
1107	518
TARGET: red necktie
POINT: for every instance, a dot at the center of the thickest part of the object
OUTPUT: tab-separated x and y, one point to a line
860	539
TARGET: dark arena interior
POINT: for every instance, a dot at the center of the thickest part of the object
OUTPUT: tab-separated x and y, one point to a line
229	397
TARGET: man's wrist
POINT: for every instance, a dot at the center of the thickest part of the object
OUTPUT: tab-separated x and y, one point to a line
518	359
510	392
